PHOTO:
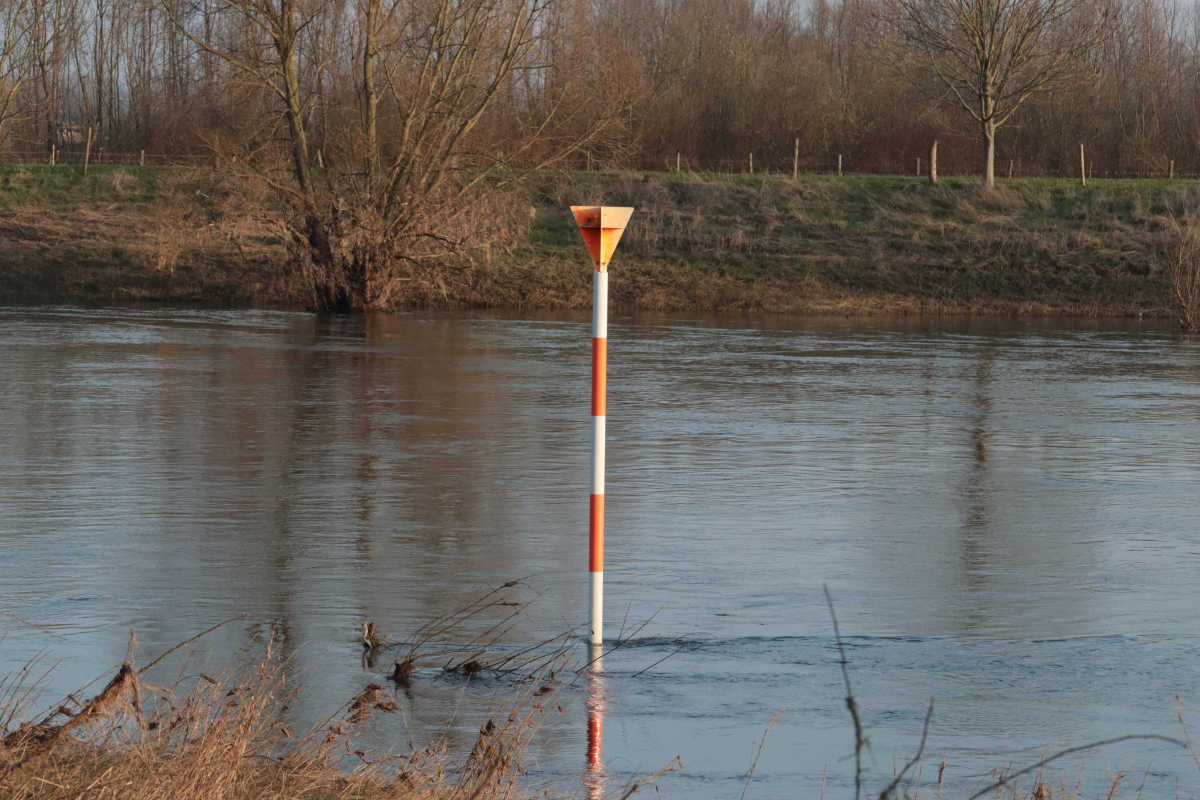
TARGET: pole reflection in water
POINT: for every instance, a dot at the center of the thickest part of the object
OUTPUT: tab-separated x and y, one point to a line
594	779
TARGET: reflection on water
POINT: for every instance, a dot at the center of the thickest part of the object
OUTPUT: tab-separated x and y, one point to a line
595	780
1004	513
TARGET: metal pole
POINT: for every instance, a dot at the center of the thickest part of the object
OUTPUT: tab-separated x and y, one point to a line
596	511
601	229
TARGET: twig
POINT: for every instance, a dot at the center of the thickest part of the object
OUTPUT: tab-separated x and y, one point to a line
750	774
30	624
1145	775
189	641
674	652
1071	750
860	741
920	750
1186	735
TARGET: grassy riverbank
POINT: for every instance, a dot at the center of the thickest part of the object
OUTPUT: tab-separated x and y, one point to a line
823	244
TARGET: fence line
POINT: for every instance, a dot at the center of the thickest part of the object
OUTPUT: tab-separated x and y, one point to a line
829	165
675	162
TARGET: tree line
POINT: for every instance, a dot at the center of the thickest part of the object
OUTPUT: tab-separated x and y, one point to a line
391	135
701	84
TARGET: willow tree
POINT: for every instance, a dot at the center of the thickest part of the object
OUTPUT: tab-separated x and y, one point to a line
454	103
989	56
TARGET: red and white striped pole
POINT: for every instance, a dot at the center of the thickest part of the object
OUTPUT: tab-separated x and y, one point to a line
601	228
599	418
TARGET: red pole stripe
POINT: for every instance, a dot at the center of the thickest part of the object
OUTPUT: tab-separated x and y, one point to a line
596	535
599	370
595	739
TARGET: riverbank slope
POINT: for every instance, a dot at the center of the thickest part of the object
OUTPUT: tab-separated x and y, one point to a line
822	244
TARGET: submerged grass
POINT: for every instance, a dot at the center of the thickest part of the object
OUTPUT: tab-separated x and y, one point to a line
821	244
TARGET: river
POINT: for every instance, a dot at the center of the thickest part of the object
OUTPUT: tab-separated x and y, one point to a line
1004	512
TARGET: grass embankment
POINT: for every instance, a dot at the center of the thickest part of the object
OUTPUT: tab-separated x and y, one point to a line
823	244
134	233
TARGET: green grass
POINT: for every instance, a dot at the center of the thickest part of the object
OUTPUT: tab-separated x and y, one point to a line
65	185
871	243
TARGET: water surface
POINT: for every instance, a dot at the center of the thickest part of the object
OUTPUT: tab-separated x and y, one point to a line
1004	513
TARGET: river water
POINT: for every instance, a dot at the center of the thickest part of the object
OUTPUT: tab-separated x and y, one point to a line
1004	513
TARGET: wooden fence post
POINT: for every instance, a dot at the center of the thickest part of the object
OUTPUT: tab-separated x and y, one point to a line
1010	168
87	151
53	155
752	163
1171	170
1082	168
839	163
933	161
677	169
141	158
796	159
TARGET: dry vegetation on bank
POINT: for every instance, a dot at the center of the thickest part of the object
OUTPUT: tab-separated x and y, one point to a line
823	244
230	737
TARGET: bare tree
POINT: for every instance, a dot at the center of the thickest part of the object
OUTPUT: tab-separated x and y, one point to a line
1181	256
419	168
990	56
15	49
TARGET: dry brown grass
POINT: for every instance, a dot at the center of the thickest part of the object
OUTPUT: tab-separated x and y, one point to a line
228	737
850	246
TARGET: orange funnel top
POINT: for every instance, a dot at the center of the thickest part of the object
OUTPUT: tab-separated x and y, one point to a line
601	227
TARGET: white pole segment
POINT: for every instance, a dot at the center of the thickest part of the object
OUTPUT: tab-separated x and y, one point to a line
598	425
600	305
596	606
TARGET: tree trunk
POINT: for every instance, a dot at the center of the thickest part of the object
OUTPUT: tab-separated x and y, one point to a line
988	172
285	44
370	97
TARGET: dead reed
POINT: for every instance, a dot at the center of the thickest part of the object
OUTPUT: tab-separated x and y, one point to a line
465	642
228	735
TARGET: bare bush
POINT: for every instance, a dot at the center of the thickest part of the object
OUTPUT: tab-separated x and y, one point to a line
422	159
1182	259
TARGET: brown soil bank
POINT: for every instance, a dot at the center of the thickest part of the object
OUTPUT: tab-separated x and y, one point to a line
854	244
